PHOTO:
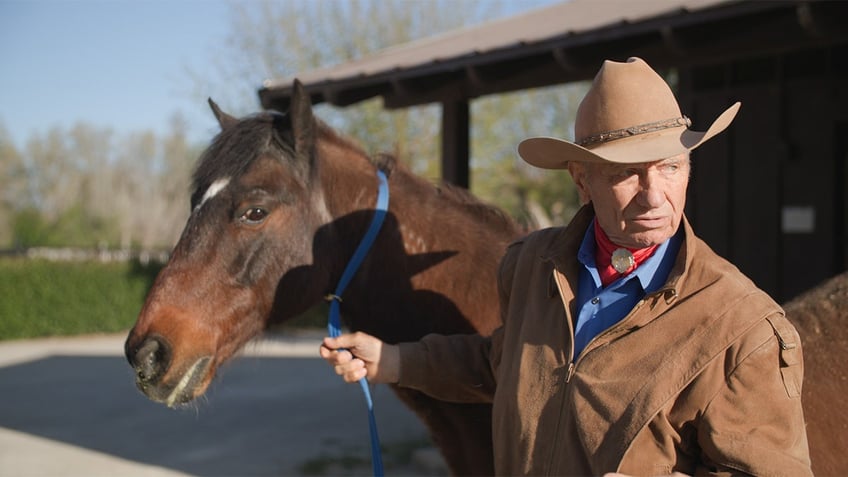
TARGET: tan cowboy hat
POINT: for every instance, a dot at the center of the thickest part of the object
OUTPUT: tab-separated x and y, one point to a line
628	116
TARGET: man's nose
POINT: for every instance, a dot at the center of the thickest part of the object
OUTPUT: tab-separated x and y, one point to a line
652	194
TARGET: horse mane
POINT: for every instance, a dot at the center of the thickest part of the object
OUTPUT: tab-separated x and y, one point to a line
234	149
461	197
390	164
473	205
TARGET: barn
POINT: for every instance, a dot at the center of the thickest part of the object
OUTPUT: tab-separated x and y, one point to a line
772	196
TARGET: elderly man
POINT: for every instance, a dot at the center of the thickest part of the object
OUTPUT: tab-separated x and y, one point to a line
627	344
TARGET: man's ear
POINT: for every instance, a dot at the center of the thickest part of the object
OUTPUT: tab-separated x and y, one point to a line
578	175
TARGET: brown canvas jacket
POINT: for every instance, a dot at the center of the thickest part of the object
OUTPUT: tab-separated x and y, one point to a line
701	377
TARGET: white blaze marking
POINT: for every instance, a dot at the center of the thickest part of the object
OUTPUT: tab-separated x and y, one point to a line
213	190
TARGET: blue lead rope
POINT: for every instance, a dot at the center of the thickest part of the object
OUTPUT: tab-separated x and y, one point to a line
334	322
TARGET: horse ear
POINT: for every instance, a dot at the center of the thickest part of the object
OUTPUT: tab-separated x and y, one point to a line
302	120
224	119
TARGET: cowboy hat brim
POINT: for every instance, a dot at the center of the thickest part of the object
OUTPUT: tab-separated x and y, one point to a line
555	153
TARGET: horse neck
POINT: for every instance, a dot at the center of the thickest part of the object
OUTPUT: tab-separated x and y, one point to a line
347	195
433	266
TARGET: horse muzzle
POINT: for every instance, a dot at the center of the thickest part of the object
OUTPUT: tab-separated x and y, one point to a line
156	377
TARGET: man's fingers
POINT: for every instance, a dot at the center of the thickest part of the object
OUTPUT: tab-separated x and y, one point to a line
336	357
343	341
352	371
353	356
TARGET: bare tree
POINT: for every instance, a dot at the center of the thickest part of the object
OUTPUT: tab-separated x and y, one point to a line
178	157
280	39
538	198
84	186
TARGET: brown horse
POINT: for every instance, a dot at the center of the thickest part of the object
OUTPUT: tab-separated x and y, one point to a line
821	316
280	202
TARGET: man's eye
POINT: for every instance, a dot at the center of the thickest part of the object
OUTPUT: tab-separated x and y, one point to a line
670	168
254	215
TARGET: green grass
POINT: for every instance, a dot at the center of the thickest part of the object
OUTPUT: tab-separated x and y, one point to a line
41	298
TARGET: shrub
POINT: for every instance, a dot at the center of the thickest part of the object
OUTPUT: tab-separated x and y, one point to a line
42	298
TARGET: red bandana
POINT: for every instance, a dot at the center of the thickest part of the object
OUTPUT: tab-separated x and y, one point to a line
603	256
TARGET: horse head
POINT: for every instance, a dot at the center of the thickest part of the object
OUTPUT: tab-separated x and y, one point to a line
256	205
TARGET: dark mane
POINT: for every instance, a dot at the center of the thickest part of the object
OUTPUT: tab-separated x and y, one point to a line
234	149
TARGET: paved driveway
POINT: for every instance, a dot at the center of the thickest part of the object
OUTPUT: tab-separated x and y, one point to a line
68	407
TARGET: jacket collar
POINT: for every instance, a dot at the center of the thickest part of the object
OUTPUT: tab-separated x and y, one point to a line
685	256
562	252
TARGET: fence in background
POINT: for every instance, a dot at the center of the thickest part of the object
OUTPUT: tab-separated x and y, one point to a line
71	254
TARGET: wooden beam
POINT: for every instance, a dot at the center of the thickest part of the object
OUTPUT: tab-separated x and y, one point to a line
455	142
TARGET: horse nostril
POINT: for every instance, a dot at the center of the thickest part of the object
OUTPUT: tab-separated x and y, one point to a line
151	360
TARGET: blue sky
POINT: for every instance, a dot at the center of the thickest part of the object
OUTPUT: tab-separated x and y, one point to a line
118	64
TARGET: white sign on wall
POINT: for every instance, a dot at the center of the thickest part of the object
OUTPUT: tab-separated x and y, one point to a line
797	219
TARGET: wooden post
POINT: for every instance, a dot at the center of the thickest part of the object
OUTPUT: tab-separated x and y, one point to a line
455	142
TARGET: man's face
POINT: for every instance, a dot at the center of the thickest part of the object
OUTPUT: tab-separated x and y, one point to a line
637	205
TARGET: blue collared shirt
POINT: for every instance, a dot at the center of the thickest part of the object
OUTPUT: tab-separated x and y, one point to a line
598	308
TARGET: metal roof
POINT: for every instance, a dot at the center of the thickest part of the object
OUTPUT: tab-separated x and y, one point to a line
572	18
556	44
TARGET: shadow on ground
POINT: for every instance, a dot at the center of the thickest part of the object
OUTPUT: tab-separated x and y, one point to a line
263	416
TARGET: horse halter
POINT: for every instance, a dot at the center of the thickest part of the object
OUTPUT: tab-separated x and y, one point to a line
334	321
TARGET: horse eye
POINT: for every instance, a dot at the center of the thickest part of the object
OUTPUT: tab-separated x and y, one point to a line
254	215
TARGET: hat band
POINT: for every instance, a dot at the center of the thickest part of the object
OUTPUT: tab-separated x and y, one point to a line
635	131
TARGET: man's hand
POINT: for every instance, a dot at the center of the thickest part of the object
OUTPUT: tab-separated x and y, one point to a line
359	355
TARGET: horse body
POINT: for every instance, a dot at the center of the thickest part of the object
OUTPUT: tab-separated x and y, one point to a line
820	314
279	205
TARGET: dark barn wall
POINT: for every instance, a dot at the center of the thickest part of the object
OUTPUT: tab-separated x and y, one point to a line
769	194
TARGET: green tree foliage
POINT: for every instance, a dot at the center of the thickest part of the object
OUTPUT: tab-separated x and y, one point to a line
11	184
75	227
28	228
